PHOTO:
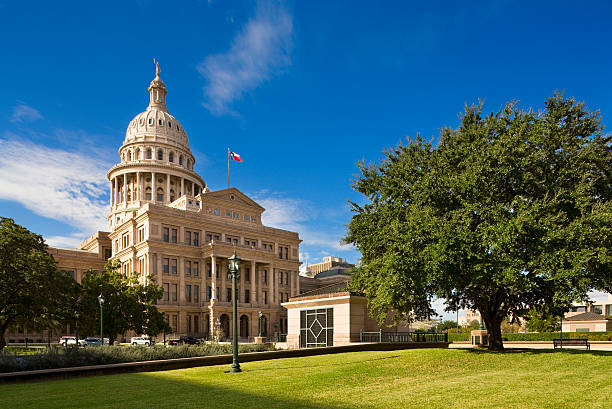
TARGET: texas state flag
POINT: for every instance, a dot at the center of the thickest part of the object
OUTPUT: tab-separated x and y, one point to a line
235	156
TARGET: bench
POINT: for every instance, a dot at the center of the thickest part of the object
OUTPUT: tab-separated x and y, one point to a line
581	342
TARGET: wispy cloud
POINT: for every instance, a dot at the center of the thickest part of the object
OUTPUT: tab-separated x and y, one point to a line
260	50
62	185
300	216
25	113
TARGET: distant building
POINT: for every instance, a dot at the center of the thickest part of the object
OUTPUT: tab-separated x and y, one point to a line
468	317
601	307
328	263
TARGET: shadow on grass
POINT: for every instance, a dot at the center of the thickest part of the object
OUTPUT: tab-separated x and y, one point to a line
146	390
323	366
539	351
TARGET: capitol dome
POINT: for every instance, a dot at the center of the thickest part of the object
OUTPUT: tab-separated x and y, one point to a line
156	164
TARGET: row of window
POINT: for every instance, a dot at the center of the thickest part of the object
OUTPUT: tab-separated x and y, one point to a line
170	266
192	294
137	154
234	215
170	235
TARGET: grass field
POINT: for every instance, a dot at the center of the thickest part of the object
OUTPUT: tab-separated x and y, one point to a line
429	378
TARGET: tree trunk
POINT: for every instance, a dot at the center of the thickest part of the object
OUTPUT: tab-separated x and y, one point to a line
2	340
493	324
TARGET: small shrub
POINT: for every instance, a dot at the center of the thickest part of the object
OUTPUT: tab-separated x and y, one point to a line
59	357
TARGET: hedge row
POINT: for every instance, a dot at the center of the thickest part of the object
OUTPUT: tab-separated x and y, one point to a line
60	357
541	336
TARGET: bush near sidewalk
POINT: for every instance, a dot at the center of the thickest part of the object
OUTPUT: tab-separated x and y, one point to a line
541	336
60	357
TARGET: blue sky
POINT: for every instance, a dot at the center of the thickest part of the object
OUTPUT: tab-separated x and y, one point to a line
302	90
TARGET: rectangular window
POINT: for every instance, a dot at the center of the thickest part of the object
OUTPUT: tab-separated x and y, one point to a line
196	238
174	266
253	219
217	236
174	322
196	293
264	276
228	294
597	309
196	268
218	294
247	296
187	268
247	274
317	328
609	310
196	323
208	270
188	292
265	297
208	237
174	235
174	292
216	212
236	216
188	237
166	233
246	218
208	293
166	266
228	214
107	254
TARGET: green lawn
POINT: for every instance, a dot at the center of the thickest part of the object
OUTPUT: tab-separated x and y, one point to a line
431	378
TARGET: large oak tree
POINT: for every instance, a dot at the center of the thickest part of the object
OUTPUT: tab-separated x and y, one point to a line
508	212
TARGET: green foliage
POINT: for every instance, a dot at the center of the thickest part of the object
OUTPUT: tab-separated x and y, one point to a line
129	304
446	325
510	211
540	322
33	293
59	357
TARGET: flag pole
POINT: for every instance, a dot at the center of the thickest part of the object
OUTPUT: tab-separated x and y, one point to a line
228	155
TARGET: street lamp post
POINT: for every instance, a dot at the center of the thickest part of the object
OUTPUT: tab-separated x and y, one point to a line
260	314
101	302
234	267
76	316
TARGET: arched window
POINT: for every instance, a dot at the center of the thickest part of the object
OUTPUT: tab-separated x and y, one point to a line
149	153
160	194
148	193
244	326
150	121
169	124
171	156
137	154
161	122
160	155
181	160
131	156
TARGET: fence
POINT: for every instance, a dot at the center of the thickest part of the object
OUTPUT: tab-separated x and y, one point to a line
380	336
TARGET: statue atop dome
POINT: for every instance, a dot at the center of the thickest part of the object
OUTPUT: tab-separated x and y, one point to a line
157	69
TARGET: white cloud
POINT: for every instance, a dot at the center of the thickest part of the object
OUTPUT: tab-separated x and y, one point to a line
66	186
299	216
261	49
25	113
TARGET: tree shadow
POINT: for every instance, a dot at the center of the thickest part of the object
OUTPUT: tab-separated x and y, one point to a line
323	366
534	351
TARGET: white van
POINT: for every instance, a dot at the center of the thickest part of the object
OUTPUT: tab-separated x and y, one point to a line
142	341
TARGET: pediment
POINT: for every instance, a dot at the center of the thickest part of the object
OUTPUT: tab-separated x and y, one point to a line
234	196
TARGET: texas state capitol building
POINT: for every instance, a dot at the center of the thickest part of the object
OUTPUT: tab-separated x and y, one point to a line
166	222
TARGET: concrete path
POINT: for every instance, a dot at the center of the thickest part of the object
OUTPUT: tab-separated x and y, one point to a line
595	345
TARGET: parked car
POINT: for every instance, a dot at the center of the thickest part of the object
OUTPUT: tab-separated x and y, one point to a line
142	341
184	340
65	341
96	342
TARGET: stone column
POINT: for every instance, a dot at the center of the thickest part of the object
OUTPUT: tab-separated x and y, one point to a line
168	188
223	274
192	189
213	280
272	286
124	189
116	191
137	198
297	283
111	192
182	186
153	187
253	287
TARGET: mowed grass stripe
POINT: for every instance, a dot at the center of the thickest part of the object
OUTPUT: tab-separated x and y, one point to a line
432	378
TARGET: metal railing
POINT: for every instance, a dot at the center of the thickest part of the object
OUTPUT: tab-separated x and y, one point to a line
380	336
